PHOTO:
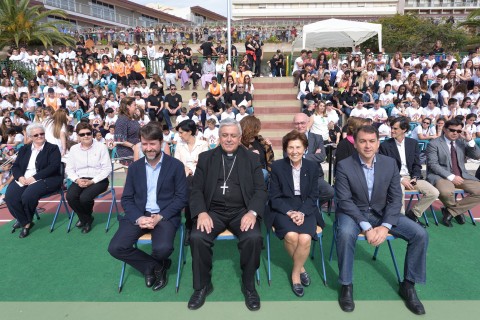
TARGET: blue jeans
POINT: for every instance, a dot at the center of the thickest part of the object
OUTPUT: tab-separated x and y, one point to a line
166	115
415	258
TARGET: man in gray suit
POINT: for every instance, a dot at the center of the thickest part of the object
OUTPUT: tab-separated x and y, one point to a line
315	152
369	200
446	170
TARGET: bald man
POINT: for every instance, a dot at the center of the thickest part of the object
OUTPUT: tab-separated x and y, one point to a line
316	153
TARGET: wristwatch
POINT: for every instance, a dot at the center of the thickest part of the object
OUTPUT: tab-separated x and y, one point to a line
253	212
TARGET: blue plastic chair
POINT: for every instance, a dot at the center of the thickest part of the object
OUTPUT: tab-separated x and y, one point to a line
147	239
462	193
361	237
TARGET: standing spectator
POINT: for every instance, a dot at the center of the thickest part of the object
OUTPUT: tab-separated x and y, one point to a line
126	130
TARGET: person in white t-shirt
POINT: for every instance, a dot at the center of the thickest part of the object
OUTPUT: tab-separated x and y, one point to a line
111	102
228	113
425	131
414	112
242	114
384	131
377	114
432	112
359	111
211	115
182	117
210	134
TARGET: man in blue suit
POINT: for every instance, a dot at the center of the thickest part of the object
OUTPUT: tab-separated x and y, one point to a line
155	193
369	200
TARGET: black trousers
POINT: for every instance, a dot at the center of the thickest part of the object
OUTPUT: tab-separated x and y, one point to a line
81	200
258	66
155	115
121	246
135	76
22	201
249	245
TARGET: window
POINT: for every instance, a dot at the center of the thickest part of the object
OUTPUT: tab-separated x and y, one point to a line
103	10
62	4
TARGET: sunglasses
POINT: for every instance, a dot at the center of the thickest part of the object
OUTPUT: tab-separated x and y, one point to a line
88	134
453	131
38	135
173	89
426	122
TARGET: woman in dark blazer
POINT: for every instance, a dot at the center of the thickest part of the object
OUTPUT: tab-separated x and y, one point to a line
293	205
34	178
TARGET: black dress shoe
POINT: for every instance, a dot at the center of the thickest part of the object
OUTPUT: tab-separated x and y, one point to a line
460	219
79	224
252	299
16	225
26	231
297	288
305	279
411	300
414	218
198	297
346	298
160	272
87	227
447	218
149	280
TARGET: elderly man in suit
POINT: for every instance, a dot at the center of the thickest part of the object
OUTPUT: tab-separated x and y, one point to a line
228	192
406	153
369	199
446	170
315	153
37	173
155	193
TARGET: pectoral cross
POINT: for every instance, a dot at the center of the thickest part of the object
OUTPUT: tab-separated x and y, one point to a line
224	187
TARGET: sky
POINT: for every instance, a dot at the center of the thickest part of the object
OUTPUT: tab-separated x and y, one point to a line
218	6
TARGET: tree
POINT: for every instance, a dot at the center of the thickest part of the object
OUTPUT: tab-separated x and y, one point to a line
23	24
473	20
407	33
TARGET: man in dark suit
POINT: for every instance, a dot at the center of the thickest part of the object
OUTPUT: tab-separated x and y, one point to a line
155	193
446	170
228	192
316	153
406	153
37	173
369	199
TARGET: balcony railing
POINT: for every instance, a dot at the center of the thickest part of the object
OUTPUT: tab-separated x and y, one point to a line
95	12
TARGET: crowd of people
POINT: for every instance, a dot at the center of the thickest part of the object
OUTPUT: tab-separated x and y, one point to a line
166	34
78	108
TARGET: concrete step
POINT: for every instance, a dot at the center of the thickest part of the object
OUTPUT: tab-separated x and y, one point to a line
274	90
274	84
292	102
279	125
277	80
274	118
275	97
276	110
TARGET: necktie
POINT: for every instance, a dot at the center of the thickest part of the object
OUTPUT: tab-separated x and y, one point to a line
455	167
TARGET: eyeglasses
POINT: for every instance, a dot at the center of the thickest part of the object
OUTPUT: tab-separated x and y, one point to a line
453	131
88	134
239	87
426	122
38	135
173	88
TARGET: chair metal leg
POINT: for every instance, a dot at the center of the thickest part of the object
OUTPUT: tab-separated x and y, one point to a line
52	226
323	259
114	201
37	215
70	221
180	258
394	261
269	271
469	212
375	253
409	203
434	215
120	284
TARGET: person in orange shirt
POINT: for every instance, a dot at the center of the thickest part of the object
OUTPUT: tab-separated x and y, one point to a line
137	69
119	70
215	88
51	100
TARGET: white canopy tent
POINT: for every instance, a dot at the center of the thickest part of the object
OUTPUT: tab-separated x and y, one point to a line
337	33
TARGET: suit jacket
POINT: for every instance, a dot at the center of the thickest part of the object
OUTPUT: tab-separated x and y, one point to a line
48	165
315	142
412	155
352	192
171	190
282	190
439	161
249	172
